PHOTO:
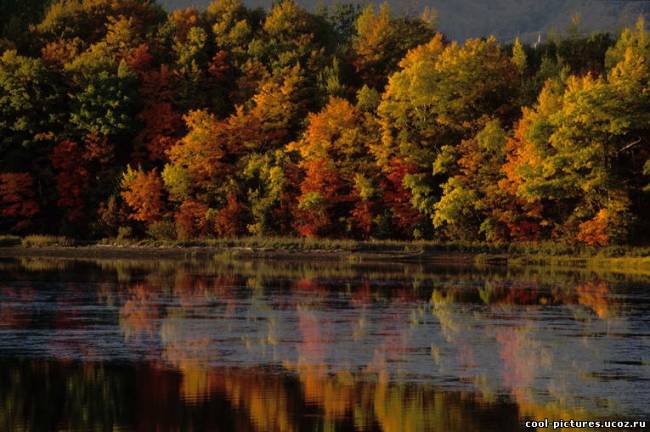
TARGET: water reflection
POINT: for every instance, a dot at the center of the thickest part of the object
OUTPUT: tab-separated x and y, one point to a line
58	395
268	346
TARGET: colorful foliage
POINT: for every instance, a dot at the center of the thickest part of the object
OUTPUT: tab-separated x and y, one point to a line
142	192
346	123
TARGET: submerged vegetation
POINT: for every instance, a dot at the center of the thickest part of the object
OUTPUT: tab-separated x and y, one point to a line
119	120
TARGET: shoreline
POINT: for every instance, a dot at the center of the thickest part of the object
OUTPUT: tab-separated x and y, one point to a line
397	253
99	251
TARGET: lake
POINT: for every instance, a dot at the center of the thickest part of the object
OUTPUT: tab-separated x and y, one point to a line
263	345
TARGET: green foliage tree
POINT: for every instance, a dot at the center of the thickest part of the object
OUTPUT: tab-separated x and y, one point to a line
31	106
442	94
105	104
584	139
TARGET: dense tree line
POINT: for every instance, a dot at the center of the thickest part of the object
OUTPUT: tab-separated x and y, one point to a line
116	116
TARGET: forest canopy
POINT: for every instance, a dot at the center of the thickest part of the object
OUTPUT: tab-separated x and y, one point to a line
118	116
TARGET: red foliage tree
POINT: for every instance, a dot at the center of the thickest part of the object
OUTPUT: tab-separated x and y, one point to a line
397	198
220	68
74	163
139	58
71	177
362	215
161	125
191	219
18	199
229	221
320	193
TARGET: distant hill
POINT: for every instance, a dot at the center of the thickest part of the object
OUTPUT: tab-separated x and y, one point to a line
506	19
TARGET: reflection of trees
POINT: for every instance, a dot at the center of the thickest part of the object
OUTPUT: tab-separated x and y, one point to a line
190	358
70	396
266	399
11	315
482	329
523	360
313	369
37	396
544	376
364	402
596	296
139	313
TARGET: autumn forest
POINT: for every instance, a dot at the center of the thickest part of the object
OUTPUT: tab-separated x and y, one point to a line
118	118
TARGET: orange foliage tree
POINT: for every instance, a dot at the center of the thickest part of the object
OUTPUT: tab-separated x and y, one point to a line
594	232
142	192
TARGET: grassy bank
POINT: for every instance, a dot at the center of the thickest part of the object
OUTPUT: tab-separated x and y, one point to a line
625	258
628	264
536	249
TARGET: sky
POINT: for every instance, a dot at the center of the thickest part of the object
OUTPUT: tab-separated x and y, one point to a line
506	19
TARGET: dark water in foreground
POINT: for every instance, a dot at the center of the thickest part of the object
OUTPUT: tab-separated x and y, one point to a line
277	346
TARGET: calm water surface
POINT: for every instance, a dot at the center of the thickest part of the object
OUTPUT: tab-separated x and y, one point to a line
296	346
